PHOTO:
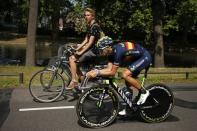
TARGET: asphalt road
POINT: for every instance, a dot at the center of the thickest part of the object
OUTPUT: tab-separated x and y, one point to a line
16	116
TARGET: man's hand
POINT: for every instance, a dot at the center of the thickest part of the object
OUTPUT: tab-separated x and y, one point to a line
91	74
78	53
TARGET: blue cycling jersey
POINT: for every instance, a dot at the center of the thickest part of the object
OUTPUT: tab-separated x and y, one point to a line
122	50
140	57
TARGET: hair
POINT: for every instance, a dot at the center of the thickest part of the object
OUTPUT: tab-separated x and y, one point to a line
91	11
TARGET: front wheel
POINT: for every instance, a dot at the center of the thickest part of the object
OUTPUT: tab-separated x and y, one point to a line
46	86
100	112
165	103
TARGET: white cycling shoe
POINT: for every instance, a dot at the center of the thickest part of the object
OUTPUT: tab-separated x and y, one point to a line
143	98
122	113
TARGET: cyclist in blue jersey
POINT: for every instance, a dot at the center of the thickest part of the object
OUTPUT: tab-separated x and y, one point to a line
128	54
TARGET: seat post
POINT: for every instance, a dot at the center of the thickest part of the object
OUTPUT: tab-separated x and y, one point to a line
145	76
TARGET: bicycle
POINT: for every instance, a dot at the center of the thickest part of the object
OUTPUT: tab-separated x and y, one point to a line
49	84
101	112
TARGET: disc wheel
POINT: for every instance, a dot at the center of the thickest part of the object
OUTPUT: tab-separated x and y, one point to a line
164	96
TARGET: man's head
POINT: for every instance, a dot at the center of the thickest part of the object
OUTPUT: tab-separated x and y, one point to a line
104	45
89	15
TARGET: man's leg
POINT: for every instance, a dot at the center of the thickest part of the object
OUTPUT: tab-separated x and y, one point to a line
73	68
130	80
84	58
133	82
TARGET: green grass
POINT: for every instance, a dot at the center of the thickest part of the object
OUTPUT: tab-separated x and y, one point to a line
13	81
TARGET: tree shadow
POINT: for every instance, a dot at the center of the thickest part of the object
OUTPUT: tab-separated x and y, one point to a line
137	118
185	104
68	96
5	96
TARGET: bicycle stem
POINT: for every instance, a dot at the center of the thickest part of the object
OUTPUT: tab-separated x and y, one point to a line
84	82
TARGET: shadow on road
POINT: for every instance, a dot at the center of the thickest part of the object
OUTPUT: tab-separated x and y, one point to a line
137	118
185	104
5	96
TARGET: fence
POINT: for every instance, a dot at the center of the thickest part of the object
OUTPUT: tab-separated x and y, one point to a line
186	73
19	75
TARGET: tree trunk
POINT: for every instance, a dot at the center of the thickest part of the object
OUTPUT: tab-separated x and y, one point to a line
31	33
55	28
158	10
159	46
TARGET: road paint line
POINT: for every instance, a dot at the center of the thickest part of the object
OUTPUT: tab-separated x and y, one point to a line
47	108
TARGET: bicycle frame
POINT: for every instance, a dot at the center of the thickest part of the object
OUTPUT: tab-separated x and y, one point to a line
111	81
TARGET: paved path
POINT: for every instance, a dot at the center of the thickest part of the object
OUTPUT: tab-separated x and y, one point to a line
63	117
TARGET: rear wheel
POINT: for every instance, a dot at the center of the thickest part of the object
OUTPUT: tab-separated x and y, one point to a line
97	113
46	86
164	96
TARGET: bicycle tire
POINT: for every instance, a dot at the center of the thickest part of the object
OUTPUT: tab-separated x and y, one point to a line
94	83
92	115
159	113
66	74
45	86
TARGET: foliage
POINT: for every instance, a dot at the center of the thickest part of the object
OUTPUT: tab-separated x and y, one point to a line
51	11
23	10
75	19
187	15
116	16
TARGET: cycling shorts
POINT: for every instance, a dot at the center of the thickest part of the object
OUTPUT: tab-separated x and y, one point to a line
137	66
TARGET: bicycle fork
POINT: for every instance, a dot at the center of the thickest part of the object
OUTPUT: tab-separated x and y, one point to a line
50	81
101	98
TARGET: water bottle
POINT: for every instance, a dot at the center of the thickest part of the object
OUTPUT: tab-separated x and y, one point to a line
127	92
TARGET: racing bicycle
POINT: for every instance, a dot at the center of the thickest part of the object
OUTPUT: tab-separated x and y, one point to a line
101	112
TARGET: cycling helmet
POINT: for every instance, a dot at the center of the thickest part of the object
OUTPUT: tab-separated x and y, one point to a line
104	42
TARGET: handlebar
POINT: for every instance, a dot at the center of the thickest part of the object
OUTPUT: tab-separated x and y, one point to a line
70	50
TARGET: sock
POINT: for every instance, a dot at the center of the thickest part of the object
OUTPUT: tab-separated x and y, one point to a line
143	91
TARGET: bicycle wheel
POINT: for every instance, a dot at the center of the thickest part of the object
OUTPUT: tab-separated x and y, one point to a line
98	83
164	96
64	71
97	113
66	74
46	86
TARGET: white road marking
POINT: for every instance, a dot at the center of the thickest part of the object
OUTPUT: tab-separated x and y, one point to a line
47	108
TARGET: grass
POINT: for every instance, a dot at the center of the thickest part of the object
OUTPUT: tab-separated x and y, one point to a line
13	81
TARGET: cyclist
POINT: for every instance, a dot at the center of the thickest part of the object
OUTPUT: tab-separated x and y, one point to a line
87	48
128	54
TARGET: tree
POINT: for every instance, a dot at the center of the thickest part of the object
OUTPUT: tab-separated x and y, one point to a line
187	18
53	10
158	9
22	15
31	34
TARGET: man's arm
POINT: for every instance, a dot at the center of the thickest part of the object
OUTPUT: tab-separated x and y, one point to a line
82	44
87	45
109	71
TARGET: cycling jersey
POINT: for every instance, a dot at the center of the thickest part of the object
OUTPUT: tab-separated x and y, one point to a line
131	55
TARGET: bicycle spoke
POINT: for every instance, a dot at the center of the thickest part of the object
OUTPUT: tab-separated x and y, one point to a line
46	86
